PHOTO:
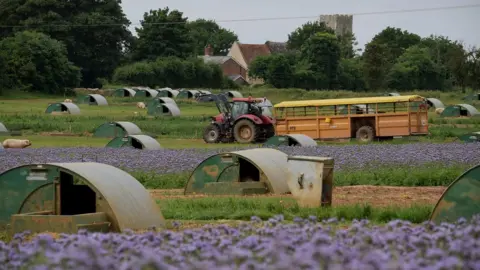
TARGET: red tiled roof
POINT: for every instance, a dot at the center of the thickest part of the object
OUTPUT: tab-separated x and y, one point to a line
251	51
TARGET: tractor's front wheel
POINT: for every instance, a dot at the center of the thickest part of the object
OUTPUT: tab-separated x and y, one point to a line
212	134
245	131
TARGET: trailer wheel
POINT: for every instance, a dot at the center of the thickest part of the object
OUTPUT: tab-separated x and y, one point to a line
365	134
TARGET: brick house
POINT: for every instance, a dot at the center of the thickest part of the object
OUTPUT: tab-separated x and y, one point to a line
230	67
246	53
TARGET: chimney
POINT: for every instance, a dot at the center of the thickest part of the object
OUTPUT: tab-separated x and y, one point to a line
208	50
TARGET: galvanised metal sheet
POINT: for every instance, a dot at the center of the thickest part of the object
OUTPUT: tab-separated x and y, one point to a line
131	203
99	99
273	163
148	142
129	127
72	108
303	140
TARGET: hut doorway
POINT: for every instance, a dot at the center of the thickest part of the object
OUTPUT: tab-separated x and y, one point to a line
136	144
247	171
75	198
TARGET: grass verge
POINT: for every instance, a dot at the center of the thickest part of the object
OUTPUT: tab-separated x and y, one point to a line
243	208
431	175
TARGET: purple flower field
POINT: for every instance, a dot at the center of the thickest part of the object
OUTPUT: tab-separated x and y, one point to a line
304	244
184	160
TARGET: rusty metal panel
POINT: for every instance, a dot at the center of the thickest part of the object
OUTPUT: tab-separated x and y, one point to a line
460	199
310	180
131	204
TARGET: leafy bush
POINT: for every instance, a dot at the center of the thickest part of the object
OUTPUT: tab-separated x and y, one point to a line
34	62
172	72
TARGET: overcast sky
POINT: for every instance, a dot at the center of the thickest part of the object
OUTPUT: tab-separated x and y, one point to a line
458	24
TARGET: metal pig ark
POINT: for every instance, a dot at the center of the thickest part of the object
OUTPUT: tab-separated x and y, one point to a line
67	197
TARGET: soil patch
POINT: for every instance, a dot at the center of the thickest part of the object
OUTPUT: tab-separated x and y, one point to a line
378	196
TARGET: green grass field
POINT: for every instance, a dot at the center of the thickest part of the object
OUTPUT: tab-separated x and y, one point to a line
25	113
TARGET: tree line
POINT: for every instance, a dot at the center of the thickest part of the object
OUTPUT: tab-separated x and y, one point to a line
55	45
393	59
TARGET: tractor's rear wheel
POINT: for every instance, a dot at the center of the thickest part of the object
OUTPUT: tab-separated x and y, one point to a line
245	131
365	134
211	134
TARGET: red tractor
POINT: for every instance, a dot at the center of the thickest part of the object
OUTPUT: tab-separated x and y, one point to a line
245	120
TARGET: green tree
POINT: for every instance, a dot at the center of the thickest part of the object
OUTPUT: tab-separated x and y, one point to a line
450	56
172	72
297	38
259	67
347	46
375	59
351	74
382	52
207	32
322	52
94	32
37	63
163	33
473	64
415	69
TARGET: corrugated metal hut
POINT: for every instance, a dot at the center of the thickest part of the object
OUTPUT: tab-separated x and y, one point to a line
291	140
143	142
3	129
95	100
460	110
154	106
187	94
234	94
252	171
164	109
67	197
148	93
116	129
63	107
168	93
435	103
460	200
124	92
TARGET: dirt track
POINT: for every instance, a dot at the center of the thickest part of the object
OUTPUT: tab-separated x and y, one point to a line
373	195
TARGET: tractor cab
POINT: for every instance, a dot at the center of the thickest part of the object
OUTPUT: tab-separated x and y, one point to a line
255	106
